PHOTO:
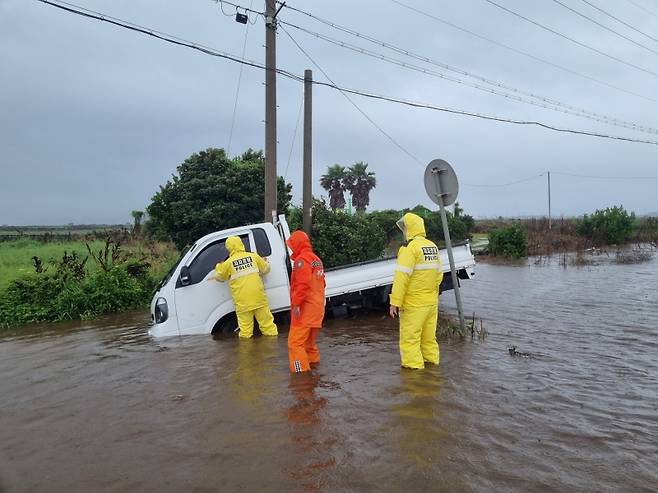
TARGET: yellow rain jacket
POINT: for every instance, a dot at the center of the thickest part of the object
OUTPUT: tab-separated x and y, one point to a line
418	271
242	270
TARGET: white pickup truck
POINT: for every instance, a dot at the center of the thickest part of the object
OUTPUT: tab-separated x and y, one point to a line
185	304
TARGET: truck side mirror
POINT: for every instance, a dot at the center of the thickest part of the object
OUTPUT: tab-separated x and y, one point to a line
185	275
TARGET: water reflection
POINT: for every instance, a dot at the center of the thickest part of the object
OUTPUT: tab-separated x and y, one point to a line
252	382
311	441
418	416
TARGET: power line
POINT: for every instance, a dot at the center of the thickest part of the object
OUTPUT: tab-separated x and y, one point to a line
416	56
517	51
642	8
540	101
217	53
620	21
603	26
568	38
239	7
607	177
533	177
237	91
294	136
381	130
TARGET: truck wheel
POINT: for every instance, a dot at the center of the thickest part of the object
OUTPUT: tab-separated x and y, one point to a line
227	327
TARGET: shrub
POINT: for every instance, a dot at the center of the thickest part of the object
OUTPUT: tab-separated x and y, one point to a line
509	242
68	290
460	226
339	238
611	225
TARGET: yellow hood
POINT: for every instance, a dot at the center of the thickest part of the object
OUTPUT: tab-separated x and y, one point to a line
234	245
412	226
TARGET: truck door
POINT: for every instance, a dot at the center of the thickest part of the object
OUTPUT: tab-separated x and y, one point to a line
276	282
196	298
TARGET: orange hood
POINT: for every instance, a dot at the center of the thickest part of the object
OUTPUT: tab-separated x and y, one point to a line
298	242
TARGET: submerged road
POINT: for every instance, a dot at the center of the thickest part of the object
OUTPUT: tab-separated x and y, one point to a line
99	406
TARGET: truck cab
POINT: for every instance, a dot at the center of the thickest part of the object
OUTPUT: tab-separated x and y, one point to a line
187	303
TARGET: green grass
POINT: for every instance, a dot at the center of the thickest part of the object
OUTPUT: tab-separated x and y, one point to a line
16	256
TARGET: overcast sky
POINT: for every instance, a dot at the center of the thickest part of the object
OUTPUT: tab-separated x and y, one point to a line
93	118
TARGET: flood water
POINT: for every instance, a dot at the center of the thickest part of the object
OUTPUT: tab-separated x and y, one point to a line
99	406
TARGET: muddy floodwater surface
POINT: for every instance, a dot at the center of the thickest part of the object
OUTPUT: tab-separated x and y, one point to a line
99	406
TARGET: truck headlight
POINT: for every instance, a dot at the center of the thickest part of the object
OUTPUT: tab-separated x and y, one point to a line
161	310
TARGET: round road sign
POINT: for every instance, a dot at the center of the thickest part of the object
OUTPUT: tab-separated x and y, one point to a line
441	182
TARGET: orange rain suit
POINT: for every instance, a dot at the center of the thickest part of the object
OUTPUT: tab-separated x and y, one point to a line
306	303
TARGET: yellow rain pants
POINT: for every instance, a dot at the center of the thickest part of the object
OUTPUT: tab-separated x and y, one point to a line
264	318
243	271
418	336
418	275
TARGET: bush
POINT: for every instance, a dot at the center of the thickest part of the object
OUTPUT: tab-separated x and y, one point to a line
341	239
509	242
612	225
69	290
460	226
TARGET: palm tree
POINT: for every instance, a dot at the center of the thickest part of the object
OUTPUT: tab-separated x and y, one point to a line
333	182
137	227
359	181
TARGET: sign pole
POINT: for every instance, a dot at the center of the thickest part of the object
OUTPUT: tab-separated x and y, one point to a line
446	235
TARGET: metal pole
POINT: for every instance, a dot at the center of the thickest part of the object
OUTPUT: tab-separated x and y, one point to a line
270	111
549	200
307	195
446	235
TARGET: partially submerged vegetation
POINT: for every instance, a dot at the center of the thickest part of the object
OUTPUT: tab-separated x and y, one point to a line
450	329
83	280
608	228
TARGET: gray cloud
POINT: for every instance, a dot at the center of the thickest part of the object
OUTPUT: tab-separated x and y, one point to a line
95	118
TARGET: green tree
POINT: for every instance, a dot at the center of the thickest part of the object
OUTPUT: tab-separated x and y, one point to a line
341	239
611	225
359	181
333	181
211	192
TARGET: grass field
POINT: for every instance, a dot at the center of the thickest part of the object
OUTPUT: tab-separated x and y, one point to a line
16	256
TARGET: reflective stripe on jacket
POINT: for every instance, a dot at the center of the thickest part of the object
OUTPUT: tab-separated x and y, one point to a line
242	270
307	283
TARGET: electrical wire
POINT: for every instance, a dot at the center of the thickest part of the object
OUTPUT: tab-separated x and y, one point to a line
498	89
358	108
517	51
606	177
294	136
237	90
533	177
221	2
620	20
642	8
219	54
603	26
568	38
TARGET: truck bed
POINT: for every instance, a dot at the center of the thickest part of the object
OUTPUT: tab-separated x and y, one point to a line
376	273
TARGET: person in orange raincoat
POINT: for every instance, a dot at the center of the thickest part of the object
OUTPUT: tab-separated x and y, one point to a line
306	303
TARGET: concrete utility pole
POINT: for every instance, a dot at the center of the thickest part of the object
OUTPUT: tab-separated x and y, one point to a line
270	110
549	201
307	196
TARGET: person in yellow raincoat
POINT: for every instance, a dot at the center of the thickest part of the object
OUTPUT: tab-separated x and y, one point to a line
415	294
242	270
